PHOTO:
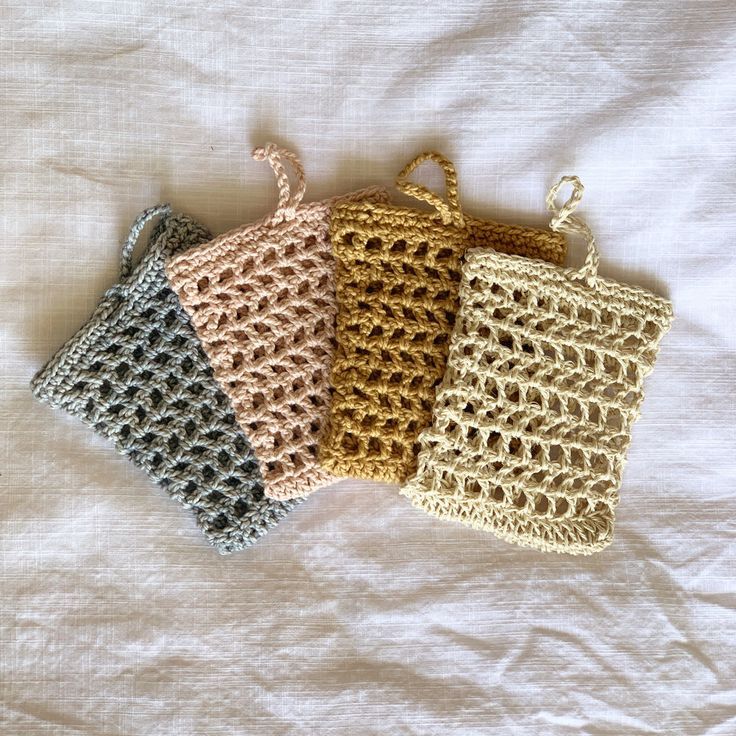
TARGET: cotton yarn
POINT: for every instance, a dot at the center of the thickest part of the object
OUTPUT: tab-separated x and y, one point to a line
351	337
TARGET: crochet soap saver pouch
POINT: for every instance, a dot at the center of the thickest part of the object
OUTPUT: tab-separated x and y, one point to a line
137	374
397	276
544	380
262	300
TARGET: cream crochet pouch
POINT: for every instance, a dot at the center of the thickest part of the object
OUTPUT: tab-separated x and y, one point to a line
544	380
262	301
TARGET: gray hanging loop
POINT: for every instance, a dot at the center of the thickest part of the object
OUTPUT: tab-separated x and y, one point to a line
126	256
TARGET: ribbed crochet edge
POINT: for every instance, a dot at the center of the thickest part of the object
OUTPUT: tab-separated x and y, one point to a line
363	470
252	232
307	483
365	213
589	536
237	543
503	265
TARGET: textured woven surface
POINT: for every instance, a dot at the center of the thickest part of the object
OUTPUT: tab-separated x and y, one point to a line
359	614
262	300
137	374
533	417
398	274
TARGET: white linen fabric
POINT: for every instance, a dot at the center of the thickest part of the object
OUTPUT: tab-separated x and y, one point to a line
360	615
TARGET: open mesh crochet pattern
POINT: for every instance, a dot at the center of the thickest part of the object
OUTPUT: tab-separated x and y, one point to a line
544	380
262	300
397	280
136	373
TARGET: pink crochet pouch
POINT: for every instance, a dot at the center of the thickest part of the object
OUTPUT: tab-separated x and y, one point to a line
262	301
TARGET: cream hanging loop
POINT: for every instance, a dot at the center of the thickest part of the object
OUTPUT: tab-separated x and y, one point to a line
564	221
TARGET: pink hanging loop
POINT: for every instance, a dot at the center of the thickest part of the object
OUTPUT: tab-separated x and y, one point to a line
288	201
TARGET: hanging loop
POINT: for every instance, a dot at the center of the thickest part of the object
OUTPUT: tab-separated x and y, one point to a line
564	221
449	208
126	256
288	201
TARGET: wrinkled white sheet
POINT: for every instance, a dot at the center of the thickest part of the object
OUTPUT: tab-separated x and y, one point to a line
360	615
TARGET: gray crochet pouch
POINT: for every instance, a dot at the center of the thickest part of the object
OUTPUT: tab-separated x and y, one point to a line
136	373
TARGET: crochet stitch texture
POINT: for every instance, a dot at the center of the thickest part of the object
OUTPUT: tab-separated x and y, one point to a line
262	300
544	380
397	280
137	374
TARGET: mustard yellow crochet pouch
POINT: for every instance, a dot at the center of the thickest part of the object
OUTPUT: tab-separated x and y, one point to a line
262	301
397	280
544	380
